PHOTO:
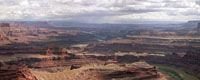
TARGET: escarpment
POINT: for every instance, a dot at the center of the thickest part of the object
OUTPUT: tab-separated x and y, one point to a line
14	72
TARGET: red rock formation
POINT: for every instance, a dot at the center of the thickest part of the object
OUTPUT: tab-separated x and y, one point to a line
6	28
56	51
15	73
2	35
49	52
82	49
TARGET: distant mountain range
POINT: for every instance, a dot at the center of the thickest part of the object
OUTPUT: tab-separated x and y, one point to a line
52	24
191	24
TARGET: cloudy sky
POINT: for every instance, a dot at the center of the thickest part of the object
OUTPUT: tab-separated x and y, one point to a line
103	11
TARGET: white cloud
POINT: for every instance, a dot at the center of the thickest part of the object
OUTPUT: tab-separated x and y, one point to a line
99	10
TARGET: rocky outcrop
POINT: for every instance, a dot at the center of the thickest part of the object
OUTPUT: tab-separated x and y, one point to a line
16	32
120	73
6	27
2	35
189	62
56	51
49	52
15	73
61	62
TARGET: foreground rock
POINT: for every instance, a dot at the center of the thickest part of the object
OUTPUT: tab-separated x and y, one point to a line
15	73
103	72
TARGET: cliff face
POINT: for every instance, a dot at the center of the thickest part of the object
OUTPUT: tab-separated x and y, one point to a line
5	31
6	27
15	73
18	33
3	36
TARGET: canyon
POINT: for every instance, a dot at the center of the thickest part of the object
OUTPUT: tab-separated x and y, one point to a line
50	51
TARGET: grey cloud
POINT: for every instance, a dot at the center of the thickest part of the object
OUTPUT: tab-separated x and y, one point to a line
132	10
174	4
198	2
